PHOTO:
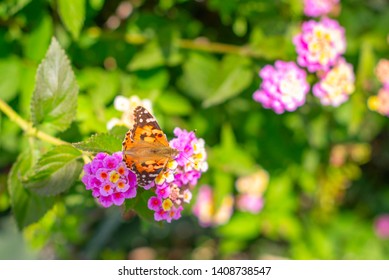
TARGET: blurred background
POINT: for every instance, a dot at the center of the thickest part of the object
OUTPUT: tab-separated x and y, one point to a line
309	184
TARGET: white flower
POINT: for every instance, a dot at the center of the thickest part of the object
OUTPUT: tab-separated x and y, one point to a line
121	103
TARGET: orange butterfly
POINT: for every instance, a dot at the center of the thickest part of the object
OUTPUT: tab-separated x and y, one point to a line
146	150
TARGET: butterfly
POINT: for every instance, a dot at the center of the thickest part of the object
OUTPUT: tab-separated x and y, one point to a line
146	150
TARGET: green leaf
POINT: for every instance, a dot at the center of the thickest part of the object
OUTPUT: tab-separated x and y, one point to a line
243	226
54	100
72	13
215	82
174	104
220	156
158	52
39	39
149	57
240	26
102	86
119	131
366	64
152	79
100	143
234	75
27	207
199	74
167	37
96	4
11	7
55	171
139	205
224	186
9	87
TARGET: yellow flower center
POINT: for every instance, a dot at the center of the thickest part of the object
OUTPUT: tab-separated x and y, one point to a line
167	204
114	176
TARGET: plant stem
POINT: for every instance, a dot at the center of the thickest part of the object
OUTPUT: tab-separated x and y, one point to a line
196	44
204	45
27	126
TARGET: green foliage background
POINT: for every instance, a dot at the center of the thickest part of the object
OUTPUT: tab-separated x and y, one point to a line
198	63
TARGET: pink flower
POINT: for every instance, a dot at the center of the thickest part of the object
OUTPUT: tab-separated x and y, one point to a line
284	87
130	193
111	162
382	72
381	226
110	182
107	188
105	201
163	192
320	44
161	215
173	185
102	174
118	198
204	208
249	203
316	8
336	85
250	191
154	203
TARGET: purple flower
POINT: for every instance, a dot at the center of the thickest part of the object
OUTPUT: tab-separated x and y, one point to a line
173	185
320	44
109	179
316	8
284	87
336	85
381	226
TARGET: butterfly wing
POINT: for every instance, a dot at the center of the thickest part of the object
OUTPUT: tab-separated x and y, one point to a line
141	147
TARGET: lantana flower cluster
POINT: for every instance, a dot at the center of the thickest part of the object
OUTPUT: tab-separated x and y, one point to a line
380	102
250	191
109	179
316	8
173	186
320	47
382	72
335	85
320	44
284	87
249	198
207	213
111	182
